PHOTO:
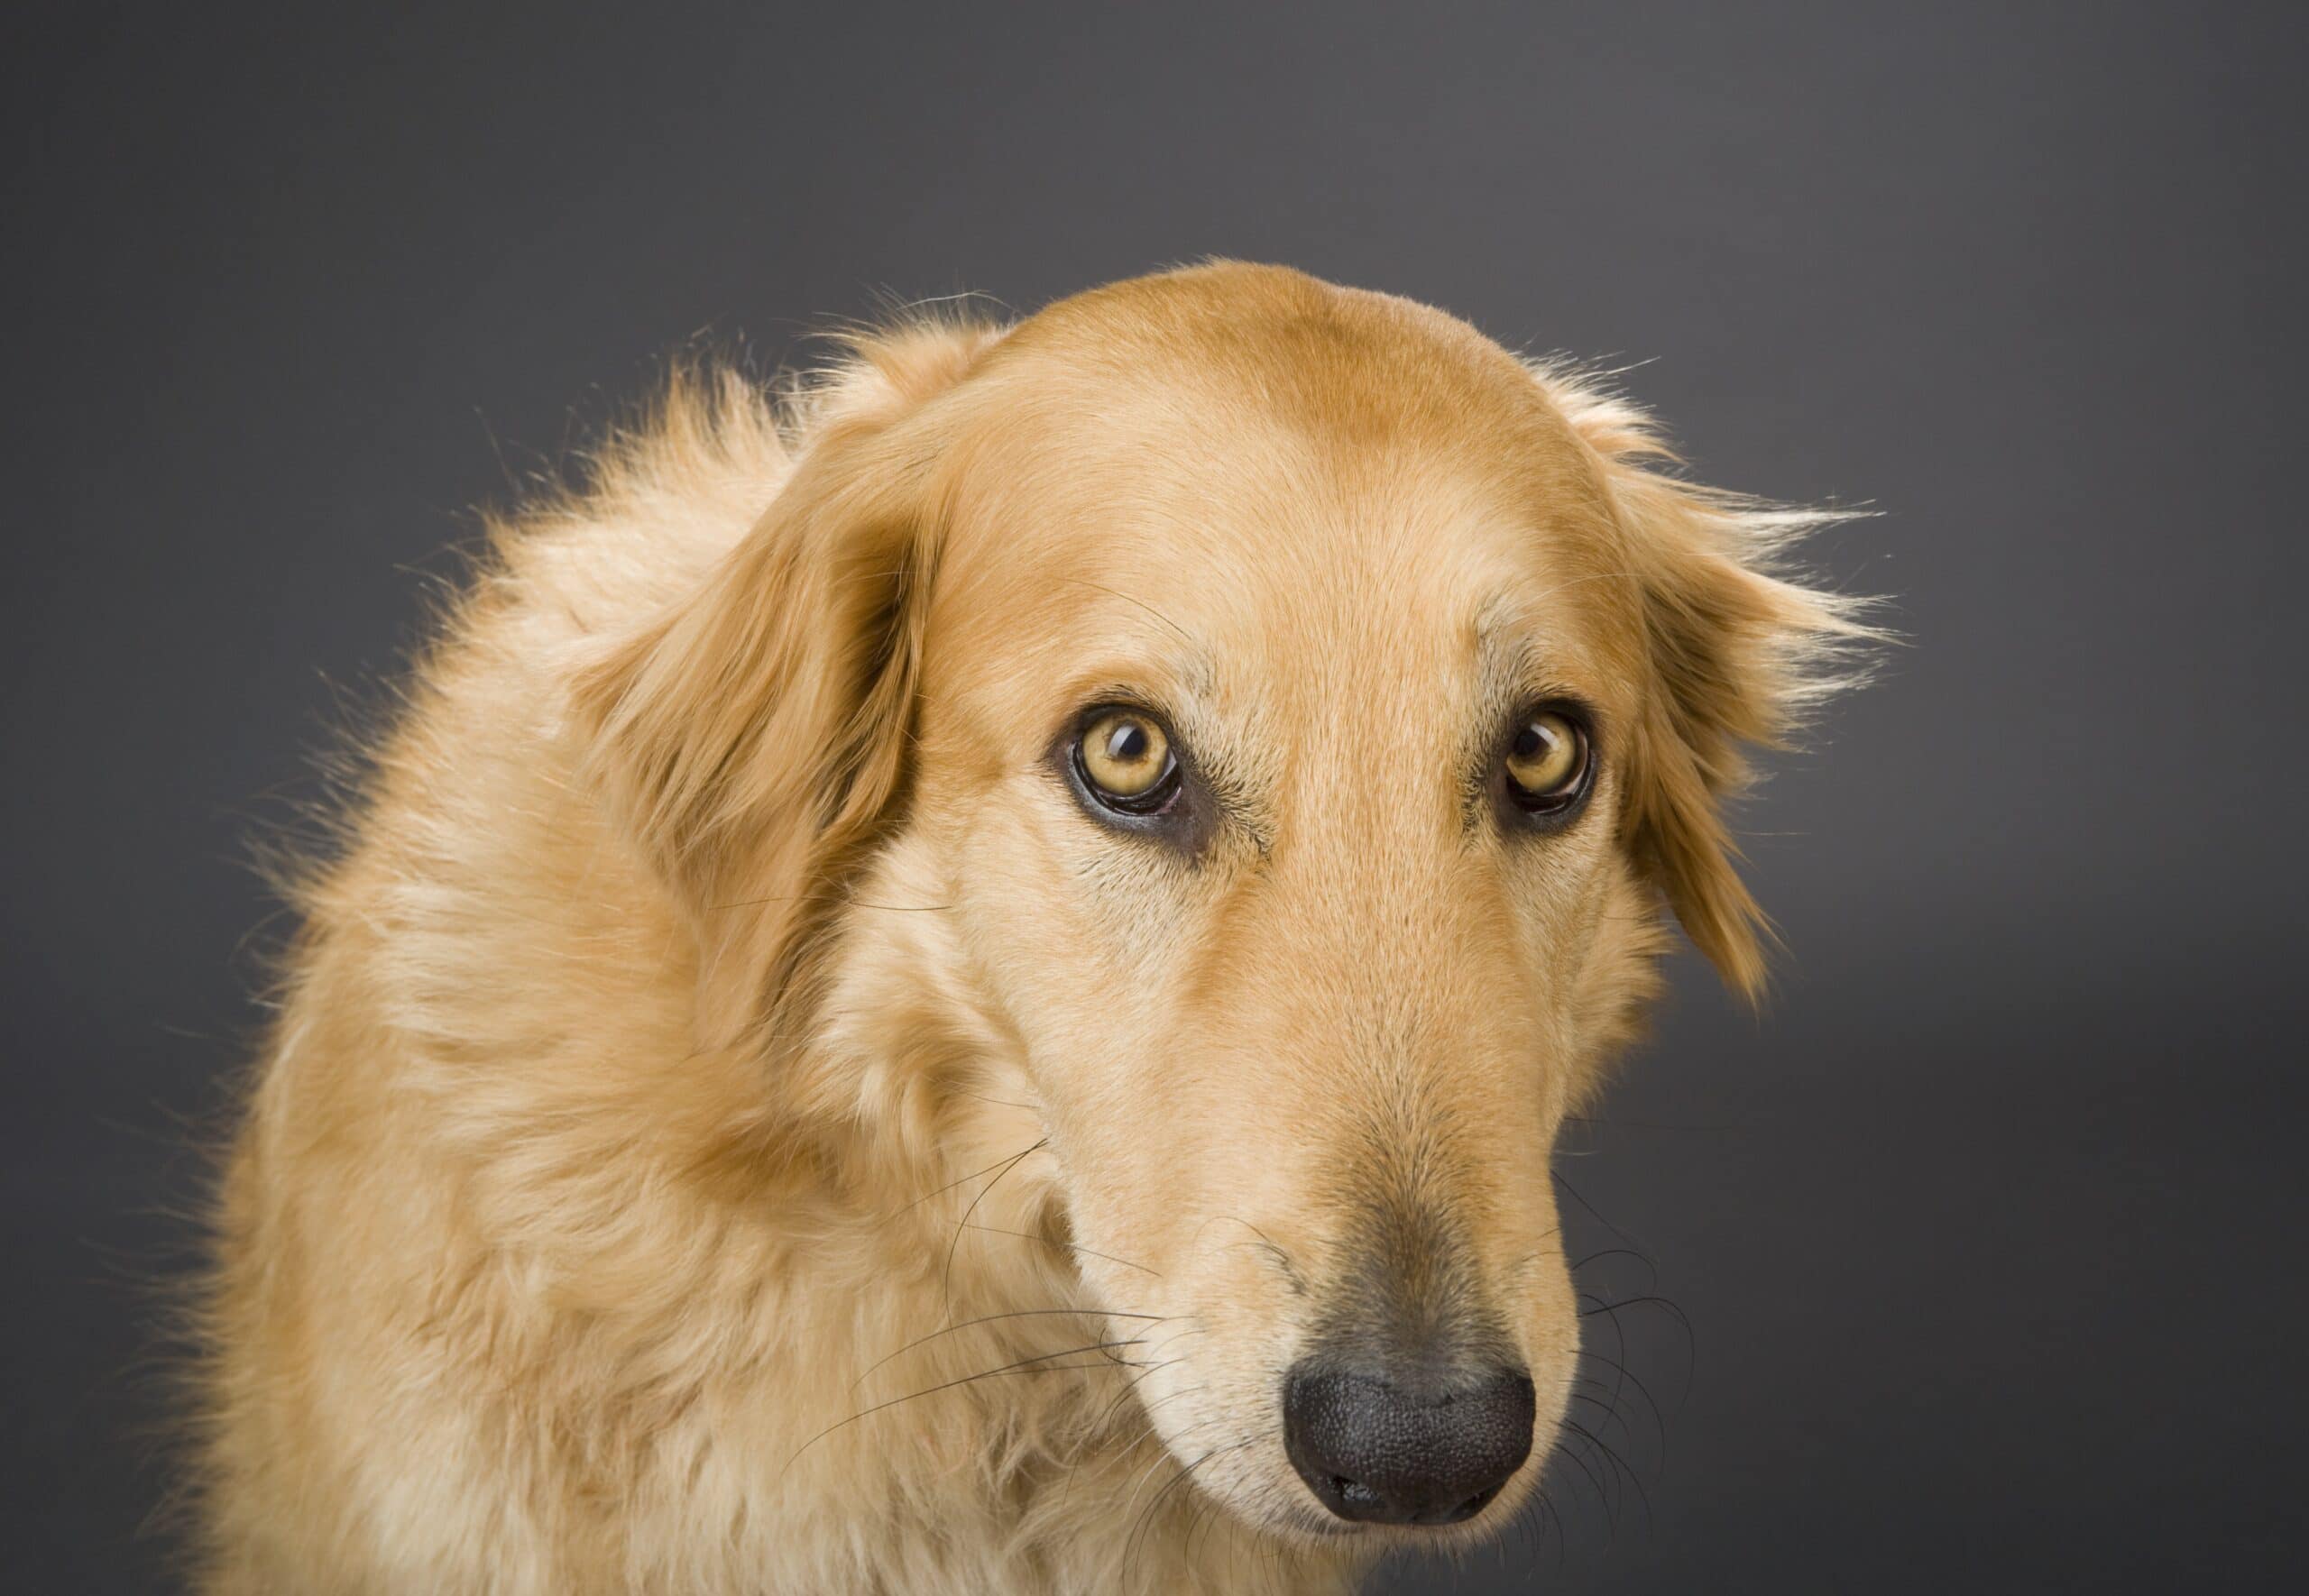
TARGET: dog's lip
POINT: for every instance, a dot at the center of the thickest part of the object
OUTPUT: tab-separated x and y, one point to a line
1484	1525
1333	1531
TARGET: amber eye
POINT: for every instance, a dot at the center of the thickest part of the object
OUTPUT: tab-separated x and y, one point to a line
1126	762
1547	762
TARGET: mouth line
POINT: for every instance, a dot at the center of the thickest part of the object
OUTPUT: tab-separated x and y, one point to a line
1478	1527
1487	1523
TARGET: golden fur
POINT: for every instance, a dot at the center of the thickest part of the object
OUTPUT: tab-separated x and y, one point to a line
721	1036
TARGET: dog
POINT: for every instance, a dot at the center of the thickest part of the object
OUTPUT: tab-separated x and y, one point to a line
961	977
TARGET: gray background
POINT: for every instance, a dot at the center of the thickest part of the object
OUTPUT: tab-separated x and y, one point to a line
1985	1234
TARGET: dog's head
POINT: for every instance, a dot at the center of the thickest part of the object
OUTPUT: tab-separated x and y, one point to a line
1249	729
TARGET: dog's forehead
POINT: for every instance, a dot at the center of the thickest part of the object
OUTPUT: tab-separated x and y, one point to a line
1336	494
1272	349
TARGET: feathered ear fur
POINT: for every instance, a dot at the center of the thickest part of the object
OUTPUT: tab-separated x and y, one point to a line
752	737
1739	652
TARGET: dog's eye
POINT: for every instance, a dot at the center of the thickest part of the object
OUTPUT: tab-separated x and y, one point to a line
1547	763
1126	761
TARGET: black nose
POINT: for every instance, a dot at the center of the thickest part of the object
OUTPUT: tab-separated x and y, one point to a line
1417	1452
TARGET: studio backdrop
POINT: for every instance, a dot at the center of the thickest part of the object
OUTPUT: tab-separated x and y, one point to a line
1971	1262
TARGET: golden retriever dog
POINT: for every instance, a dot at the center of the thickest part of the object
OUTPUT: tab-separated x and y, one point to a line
962	977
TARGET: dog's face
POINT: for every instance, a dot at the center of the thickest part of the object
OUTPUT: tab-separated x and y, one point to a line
1302	710
1272	721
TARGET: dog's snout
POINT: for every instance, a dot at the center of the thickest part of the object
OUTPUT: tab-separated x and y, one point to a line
1377	1451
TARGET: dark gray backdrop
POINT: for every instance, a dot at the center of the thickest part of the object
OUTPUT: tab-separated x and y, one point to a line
1985	1233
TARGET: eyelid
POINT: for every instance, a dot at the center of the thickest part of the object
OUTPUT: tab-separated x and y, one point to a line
1546	698
1128	700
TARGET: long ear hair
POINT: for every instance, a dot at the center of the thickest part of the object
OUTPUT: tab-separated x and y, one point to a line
1740	652
752	738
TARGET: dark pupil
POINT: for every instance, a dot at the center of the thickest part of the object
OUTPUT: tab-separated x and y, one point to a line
1532	742
1128	745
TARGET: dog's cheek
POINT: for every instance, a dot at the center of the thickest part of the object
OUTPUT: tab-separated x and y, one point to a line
1615	982
911	1051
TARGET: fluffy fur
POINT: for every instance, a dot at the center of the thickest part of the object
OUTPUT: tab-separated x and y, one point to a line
735	1123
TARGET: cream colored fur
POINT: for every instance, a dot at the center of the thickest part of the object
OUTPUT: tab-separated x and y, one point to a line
722	1037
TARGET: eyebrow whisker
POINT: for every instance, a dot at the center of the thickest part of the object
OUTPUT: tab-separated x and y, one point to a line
1184	636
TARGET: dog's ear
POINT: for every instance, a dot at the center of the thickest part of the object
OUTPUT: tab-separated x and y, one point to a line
752	738
1738	651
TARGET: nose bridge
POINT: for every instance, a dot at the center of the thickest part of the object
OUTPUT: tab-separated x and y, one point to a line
1375	896
1376	956
1370	939
1369	865
1398	1015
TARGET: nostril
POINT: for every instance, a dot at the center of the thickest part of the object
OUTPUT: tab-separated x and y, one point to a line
1473	1505
1374	1451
